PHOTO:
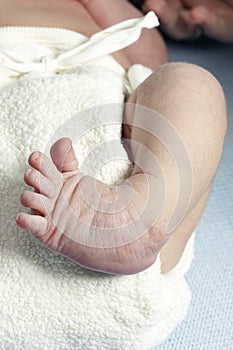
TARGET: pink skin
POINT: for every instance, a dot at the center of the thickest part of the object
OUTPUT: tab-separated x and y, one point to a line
58	203
179	18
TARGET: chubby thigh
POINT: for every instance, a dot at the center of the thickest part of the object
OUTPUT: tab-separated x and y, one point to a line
59	14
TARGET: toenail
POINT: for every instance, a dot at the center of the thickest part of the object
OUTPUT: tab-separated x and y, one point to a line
28	172
35	156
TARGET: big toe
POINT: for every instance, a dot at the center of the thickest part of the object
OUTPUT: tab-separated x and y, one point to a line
63	155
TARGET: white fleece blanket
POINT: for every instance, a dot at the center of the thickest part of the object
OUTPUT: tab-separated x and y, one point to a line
46	301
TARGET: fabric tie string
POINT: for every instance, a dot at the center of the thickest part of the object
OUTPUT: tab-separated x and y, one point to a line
100	44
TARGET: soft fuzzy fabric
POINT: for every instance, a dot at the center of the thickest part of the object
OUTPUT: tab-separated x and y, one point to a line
46	301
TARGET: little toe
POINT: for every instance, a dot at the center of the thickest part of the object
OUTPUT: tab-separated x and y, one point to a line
43	164
34	223
63	155
35	201
41	184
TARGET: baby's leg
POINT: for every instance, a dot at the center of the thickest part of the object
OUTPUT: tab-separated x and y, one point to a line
178	120
192	101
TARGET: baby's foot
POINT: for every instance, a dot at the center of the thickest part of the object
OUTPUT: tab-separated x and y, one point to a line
174	17
215	19
181	19
110	229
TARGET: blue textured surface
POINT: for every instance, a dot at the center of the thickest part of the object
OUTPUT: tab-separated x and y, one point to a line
209	324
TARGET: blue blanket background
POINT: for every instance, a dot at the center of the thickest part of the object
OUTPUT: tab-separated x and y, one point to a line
209	324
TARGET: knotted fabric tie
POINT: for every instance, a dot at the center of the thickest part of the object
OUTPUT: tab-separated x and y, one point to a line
101	43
